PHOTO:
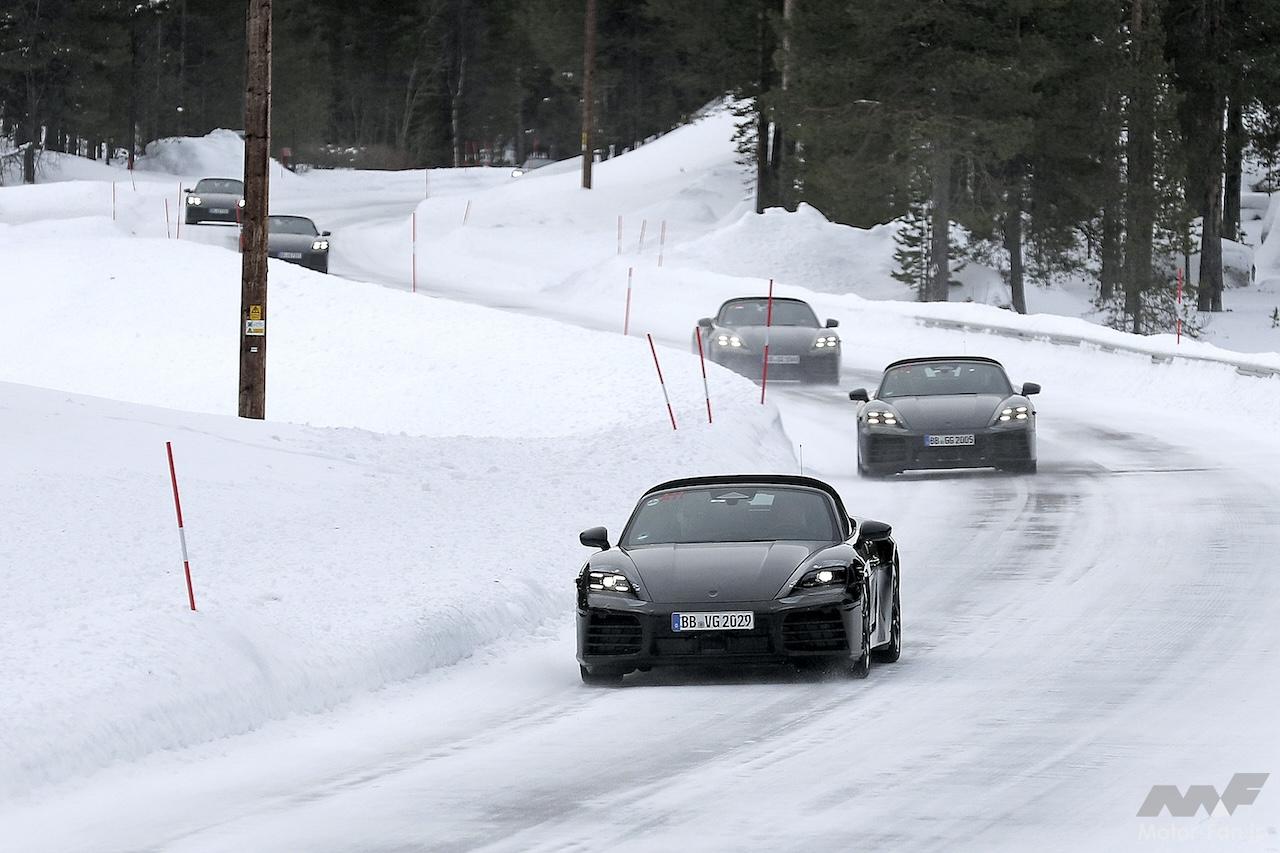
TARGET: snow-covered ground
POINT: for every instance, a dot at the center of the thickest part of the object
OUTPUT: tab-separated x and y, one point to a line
383	655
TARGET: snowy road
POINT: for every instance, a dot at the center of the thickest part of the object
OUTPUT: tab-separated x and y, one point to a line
1056	665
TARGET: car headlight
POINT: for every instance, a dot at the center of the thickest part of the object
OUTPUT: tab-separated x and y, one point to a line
515	173
320	246
826	342
605	581
193	200
833	576
883	417
1013	414
240	203
728	341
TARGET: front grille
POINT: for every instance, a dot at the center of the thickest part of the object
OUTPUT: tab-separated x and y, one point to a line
1011	444
710	645
886	448
814	631
613	634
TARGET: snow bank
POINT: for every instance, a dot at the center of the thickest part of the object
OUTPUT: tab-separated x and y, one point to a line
328	560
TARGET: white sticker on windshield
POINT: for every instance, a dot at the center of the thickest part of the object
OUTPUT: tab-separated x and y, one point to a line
762	499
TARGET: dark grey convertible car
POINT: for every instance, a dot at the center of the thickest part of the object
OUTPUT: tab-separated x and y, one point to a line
736	570
799	347
214	200
295	239
946	412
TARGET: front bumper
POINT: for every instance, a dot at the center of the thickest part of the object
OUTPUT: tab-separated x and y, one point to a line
318	261
625	634
197	213
810	366
890	451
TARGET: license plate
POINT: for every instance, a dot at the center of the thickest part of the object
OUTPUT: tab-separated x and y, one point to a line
222	211
737	620
948	440
294	256
784	359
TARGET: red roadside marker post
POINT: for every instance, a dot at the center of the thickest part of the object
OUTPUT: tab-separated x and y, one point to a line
182	534
662	241
768	324
703	358
619	233
670	411
640	246
166	219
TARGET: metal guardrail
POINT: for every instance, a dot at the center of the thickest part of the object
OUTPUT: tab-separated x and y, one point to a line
1242	366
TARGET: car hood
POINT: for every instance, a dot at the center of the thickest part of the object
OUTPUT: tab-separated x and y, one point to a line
782	339
218	199
290	242
734	571
959	411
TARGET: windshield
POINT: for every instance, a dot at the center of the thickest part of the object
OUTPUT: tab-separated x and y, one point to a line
290	225
755	312
732	514
220	185
944	377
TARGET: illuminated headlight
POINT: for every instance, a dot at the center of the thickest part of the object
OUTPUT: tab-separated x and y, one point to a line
194	200
881	417
240	203
728	341
824	577
320	246
1013	413
826	342
515	173
602	581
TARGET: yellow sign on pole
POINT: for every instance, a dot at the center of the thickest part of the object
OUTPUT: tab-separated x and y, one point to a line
255	312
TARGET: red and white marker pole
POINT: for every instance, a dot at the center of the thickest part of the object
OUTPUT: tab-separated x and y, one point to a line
182	534
466	213
166	219
662	241
670	411
626	317
113	201
619	233
768	324
413	252
703	358
640	246
1178	323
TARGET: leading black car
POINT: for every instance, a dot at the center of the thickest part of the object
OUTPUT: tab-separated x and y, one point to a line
946	412
739	569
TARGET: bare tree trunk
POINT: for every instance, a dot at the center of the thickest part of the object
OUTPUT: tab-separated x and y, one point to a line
1013	245
588	94
940	247
456	106
764	195
1111	250
1235	159
1209	296
1140	202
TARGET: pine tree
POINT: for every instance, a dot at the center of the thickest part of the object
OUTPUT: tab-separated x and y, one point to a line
911	248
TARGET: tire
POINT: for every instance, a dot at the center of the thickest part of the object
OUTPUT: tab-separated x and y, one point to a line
860	667
600	676
191	221
891	651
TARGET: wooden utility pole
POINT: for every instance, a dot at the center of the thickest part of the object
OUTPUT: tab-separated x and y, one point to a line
588	69
253	238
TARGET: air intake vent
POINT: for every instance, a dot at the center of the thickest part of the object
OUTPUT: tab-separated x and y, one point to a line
814	631
613	634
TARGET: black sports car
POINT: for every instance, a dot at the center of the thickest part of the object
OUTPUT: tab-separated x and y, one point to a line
295	239
799	348
739	569
214	200
953	412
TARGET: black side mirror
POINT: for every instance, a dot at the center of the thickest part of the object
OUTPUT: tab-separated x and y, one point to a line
188	189
1029	388
705	323
831	324
327	233
859	395
595	537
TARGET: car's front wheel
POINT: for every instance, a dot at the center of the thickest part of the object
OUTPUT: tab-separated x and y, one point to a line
891	651
600	676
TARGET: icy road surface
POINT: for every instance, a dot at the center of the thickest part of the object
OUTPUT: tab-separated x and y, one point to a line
1072	638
